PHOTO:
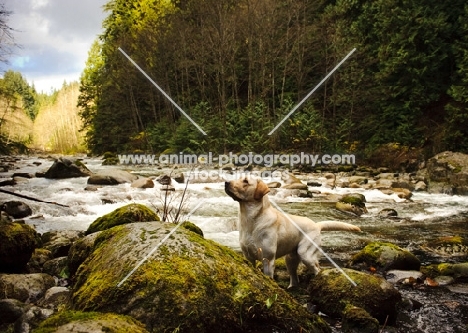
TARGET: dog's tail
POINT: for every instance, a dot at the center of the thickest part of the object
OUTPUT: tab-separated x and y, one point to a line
337	226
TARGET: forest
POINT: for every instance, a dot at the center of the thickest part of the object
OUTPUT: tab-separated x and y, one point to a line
238	67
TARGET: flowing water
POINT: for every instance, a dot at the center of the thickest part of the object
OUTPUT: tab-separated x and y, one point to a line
423	219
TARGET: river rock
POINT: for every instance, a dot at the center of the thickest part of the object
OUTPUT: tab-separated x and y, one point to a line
25	287
190	284
127	214
77	321
59	242
359	180
352	203
56	267
11	309
450	169
55	297
31	319
65	168
459	270
331	291
448	246
420	186
358	320
38	258
387	213
394	276
295	186
16	209
79	251
143	183
385	256
111	177
18	241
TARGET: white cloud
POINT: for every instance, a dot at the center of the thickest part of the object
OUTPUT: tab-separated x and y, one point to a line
55	36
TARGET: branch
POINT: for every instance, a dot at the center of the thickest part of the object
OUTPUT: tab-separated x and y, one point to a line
31	198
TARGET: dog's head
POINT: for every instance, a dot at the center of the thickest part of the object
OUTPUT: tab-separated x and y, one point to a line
246	189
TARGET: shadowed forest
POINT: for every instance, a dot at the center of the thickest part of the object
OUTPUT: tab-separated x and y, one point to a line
238	67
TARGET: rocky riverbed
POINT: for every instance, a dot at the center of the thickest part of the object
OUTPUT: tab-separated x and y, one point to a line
50	267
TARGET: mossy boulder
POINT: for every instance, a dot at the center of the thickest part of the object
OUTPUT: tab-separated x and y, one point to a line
358	320
18	241
332	292
352	203
187	284
385	256
65	168
77	321
123	215
79	251
459	270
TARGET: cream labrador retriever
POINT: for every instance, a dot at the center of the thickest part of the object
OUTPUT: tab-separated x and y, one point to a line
267	234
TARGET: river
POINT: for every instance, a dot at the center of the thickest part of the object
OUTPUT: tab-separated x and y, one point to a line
422	219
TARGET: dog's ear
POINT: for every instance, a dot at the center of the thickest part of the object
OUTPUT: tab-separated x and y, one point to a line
261	190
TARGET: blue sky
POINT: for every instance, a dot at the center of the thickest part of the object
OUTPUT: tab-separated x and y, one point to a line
55	36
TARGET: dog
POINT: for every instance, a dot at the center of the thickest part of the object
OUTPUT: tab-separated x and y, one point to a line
266	234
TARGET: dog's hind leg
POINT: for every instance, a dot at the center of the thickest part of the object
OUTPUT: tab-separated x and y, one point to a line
292	262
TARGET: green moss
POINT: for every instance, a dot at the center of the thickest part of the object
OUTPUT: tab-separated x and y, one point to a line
189	284
386	256
192	227
127	214
121	324
333	292
356	319
108	154
111	161
355	199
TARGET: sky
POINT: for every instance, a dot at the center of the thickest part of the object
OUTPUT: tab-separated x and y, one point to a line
54	37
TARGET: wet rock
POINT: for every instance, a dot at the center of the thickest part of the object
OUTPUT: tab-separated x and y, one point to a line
16	209
127	214
330	180
295	186
77	321
359	180
25	287
402	193
65	168
190	283
289	179
385	256
59	242
461	288
31	319
444	280
395	276
448	168
387	213
79	251
314	183
56	267
18	241
111	177
358	320
420	186
352	203
38	258
179	177
333	292
143	183
164	180
55	297
11	309
459	270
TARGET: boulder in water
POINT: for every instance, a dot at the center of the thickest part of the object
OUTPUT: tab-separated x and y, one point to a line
65	168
